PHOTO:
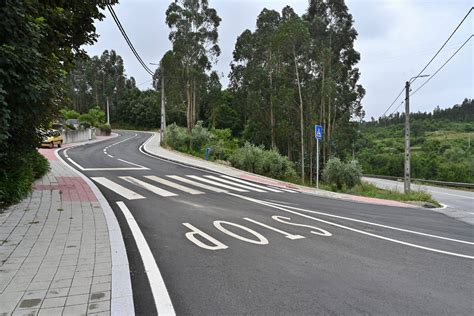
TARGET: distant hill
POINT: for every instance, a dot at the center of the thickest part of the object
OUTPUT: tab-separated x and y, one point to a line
441	143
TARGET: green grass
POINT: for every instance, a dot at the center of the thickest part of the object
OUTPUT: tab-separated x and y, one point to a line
370	190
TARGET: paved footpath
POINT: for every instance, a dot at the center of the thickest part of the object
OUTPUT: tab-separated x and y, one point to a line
56	254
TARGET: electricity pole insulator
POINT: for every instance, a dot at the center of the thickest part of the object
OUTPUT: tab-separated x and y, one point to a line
407	177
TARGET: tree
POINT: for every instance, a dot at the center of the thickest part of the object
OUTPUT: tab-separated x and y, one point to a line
39	42
194	37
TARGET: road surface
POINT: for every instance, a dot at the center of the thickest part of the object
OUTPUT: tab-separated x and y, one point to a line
203	243
458	199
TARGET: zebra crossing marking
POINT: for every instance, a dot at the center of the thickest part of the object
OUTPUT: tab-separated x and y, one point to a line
117	188
148	187
251	184
235	184
217	183
174	185
197	184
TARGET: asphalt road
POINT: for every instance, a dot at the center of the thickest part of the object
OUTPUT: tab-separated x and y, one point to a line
458	199
267	252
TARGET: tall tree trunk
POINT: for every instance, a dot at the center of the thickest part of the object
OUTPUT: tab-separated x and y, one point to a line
301	115
194	105
272	117
322	119
188	105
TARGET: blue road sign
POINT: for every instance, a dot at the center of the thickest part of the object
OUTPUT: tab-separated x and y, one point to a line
318	129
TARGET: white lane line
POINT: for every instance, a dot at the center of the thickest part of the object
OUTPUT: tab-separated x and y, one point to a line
173	185
76	164
117	188
148	187
235	184
375	224
353	229
163	303
217	183
197	184
284	189
251	184
134	164
113	169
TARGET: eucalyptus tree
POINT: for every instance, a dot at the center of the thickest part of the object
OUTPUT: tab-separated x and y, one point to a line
333	34
292	39
194	37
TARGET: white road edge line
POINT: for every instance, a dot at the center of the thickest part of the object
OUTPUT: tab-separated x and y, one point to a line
352	229
375	224
121	302
163	303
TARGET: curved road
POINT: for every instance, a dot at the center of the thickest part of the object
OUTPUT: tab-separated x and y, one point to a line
223	245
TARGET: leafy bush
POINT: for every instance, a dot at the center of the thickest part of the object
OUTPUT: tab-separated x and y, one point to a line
177	137
94	117
15	183
265	162
69	114
200	136
337	173
105	129
222	143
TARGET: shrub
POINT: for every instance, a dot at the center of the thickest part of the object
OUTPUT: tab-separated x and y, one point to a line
265	162
177	137
200	136
69	114
15	183
105	129
336	173
221	143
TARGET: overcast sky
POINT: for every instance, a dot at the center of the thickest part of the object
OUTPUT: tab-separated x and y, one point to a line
396	40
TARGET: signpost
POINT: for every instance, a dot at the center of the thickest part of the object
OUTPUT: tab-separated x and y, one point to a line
318	133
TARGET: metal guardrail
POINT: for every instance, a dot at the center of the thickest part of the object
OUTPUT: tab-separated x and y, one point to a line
445	183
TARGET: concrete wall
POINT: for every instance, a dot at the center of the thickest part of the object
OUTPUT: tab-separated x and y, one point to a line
78	135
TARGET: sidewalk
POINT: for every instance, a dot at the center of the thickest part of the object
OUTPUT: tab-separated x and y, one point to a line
56	254
152	146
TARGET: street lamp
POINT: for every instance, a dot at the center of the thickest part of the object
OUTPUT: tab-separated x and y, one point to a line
163	113
407	175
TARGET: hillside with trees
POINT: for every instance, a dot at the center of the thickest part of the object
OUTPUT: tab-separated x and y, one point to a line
441	144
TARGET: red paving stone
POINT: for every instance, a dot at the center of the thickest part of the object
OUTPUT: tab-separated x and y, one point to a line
48	153
72	189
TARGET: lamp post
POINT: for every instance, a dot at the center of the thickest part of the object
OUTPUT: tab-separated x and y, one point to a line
407	173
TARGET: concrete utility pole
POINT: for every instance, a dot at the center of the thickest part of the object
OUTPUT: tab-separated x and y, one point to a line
406	185
163	117
407	177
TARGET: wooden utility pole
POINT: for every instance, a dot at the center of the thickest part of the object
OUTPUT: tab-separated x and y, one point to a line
406	186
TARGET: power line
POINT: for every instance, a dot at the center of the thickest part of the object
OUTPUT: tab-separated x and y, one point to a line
439	50
127	39
424	68
403	89
447	61
437	71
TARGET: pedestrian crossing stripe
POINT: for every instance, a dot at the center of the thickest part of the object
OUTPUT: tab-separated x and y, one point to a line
222	184
174	185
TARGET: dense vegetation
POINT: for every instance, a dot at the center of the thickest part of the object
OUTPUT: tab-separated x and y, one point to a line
220	145
289	74
39	41
440	143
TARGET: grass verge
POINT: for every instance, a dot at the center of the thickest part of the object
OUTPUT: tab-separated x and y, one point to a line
370	190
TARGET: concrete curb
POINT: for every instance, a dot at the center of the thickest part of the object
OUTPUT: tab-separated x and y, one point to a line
265	180
121	295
